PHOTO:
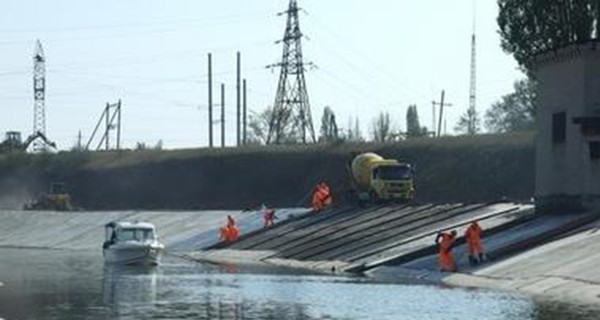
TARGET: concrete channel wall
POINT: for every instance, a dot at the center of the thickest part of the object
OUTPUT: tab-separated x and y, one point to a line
547	255
180	231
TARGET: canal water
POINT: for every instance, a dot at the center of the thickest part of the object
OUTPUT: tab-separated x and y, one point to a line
56	284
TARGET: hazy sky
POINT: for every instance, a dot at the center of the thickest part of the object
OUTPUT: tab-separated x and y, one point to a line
372	56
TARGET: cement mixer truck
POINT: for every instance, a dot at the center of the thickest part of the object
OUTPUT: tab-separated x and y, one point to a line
375	179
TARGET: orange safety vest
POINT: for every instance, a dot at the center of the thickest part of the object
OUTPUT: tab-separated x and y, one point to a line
317	203
224	234
473	236
229	234
321	197
325	195
446	257
234	233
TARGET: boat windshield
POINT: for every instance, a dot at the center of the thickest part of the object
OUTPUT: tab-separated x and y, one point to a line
136	234
401	172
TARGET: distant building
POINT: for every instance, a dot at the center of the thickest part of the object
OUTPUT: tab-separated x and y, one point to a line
568	122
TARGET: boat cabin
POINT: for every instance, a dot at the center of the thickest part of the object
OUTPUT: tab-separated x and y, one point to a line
128	232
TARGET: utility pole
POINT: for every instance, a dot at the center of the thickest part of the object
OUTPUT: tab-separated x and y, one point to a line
107	128
442	104
291	112
109	121
238	95
245	137
433	118
119	125
210	103
79	141
222	115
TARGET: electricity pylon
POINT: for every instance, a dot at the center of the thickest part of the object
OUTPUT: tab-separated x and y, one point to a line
291	119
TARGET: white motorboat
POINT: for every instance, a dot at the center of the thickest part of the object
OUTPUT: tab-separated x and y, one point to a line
131	243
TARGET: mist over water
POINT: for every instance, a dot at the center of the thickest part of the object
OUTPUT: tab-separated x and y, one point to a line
56	284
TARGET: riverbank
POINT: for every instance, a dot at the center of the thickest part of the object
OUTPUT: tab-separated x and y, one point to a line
449	169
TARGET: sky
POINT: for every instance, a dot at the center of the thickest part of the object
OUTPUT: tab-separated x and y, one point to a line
371	56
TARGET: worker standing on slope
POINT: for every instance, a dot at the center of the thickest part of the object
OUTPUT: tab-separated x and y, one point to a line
326	199
321	197
445	241
473	236
268	216
231	233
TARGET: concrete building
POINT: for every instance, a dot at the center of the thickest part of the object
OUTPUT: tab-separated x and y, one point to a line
568	137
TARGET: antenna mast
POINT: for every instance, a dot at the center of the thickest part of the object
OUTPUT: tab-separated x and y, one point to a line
473	123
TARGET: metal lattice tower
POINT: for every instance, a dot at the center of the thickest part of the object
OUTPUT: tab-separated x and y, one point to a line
291	120
473	126
39	95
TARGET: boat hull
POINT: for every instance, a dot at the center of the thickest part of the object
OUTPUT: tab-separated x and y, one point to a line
133	254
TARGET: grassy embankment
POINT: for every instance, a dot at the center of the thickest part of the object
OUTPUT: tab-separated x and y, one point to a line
481	168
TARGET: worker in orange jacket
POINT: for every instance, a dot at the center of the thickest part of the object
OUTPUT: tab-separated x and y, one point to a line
224	234
321	197
231	233
325	194
445	242
473	236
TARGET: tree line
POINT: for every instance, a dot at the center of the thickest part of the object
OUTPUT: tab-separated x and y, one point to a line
513	112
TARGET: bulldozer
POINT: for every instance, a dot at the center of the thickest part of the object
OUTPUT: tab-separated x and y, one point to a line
58	199
13	142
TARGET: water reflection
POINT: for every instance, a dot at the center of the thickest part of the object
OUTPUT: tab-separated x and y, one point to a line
77	285
126	285
545	310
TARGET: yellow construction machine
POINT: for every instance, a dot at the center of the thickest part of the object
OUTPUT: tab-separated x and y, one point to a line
58	199
375	179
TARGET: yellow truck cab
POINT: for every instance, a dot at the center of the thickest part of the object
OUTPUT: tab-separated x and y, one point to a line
377	179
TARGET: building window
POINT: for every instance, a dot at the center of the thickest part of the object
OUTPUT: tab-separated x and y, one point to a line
595	150
559	127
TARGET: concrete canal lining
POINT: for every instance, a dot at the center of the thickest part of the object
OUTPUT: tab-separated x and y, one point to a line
179	230
526	252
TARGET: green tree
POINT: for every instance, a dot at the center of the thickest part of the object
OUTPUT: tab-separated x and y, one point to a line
353	132
159	145
258	127
413	126
529	27
515	111
469	123
141	146
329	128
381	128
